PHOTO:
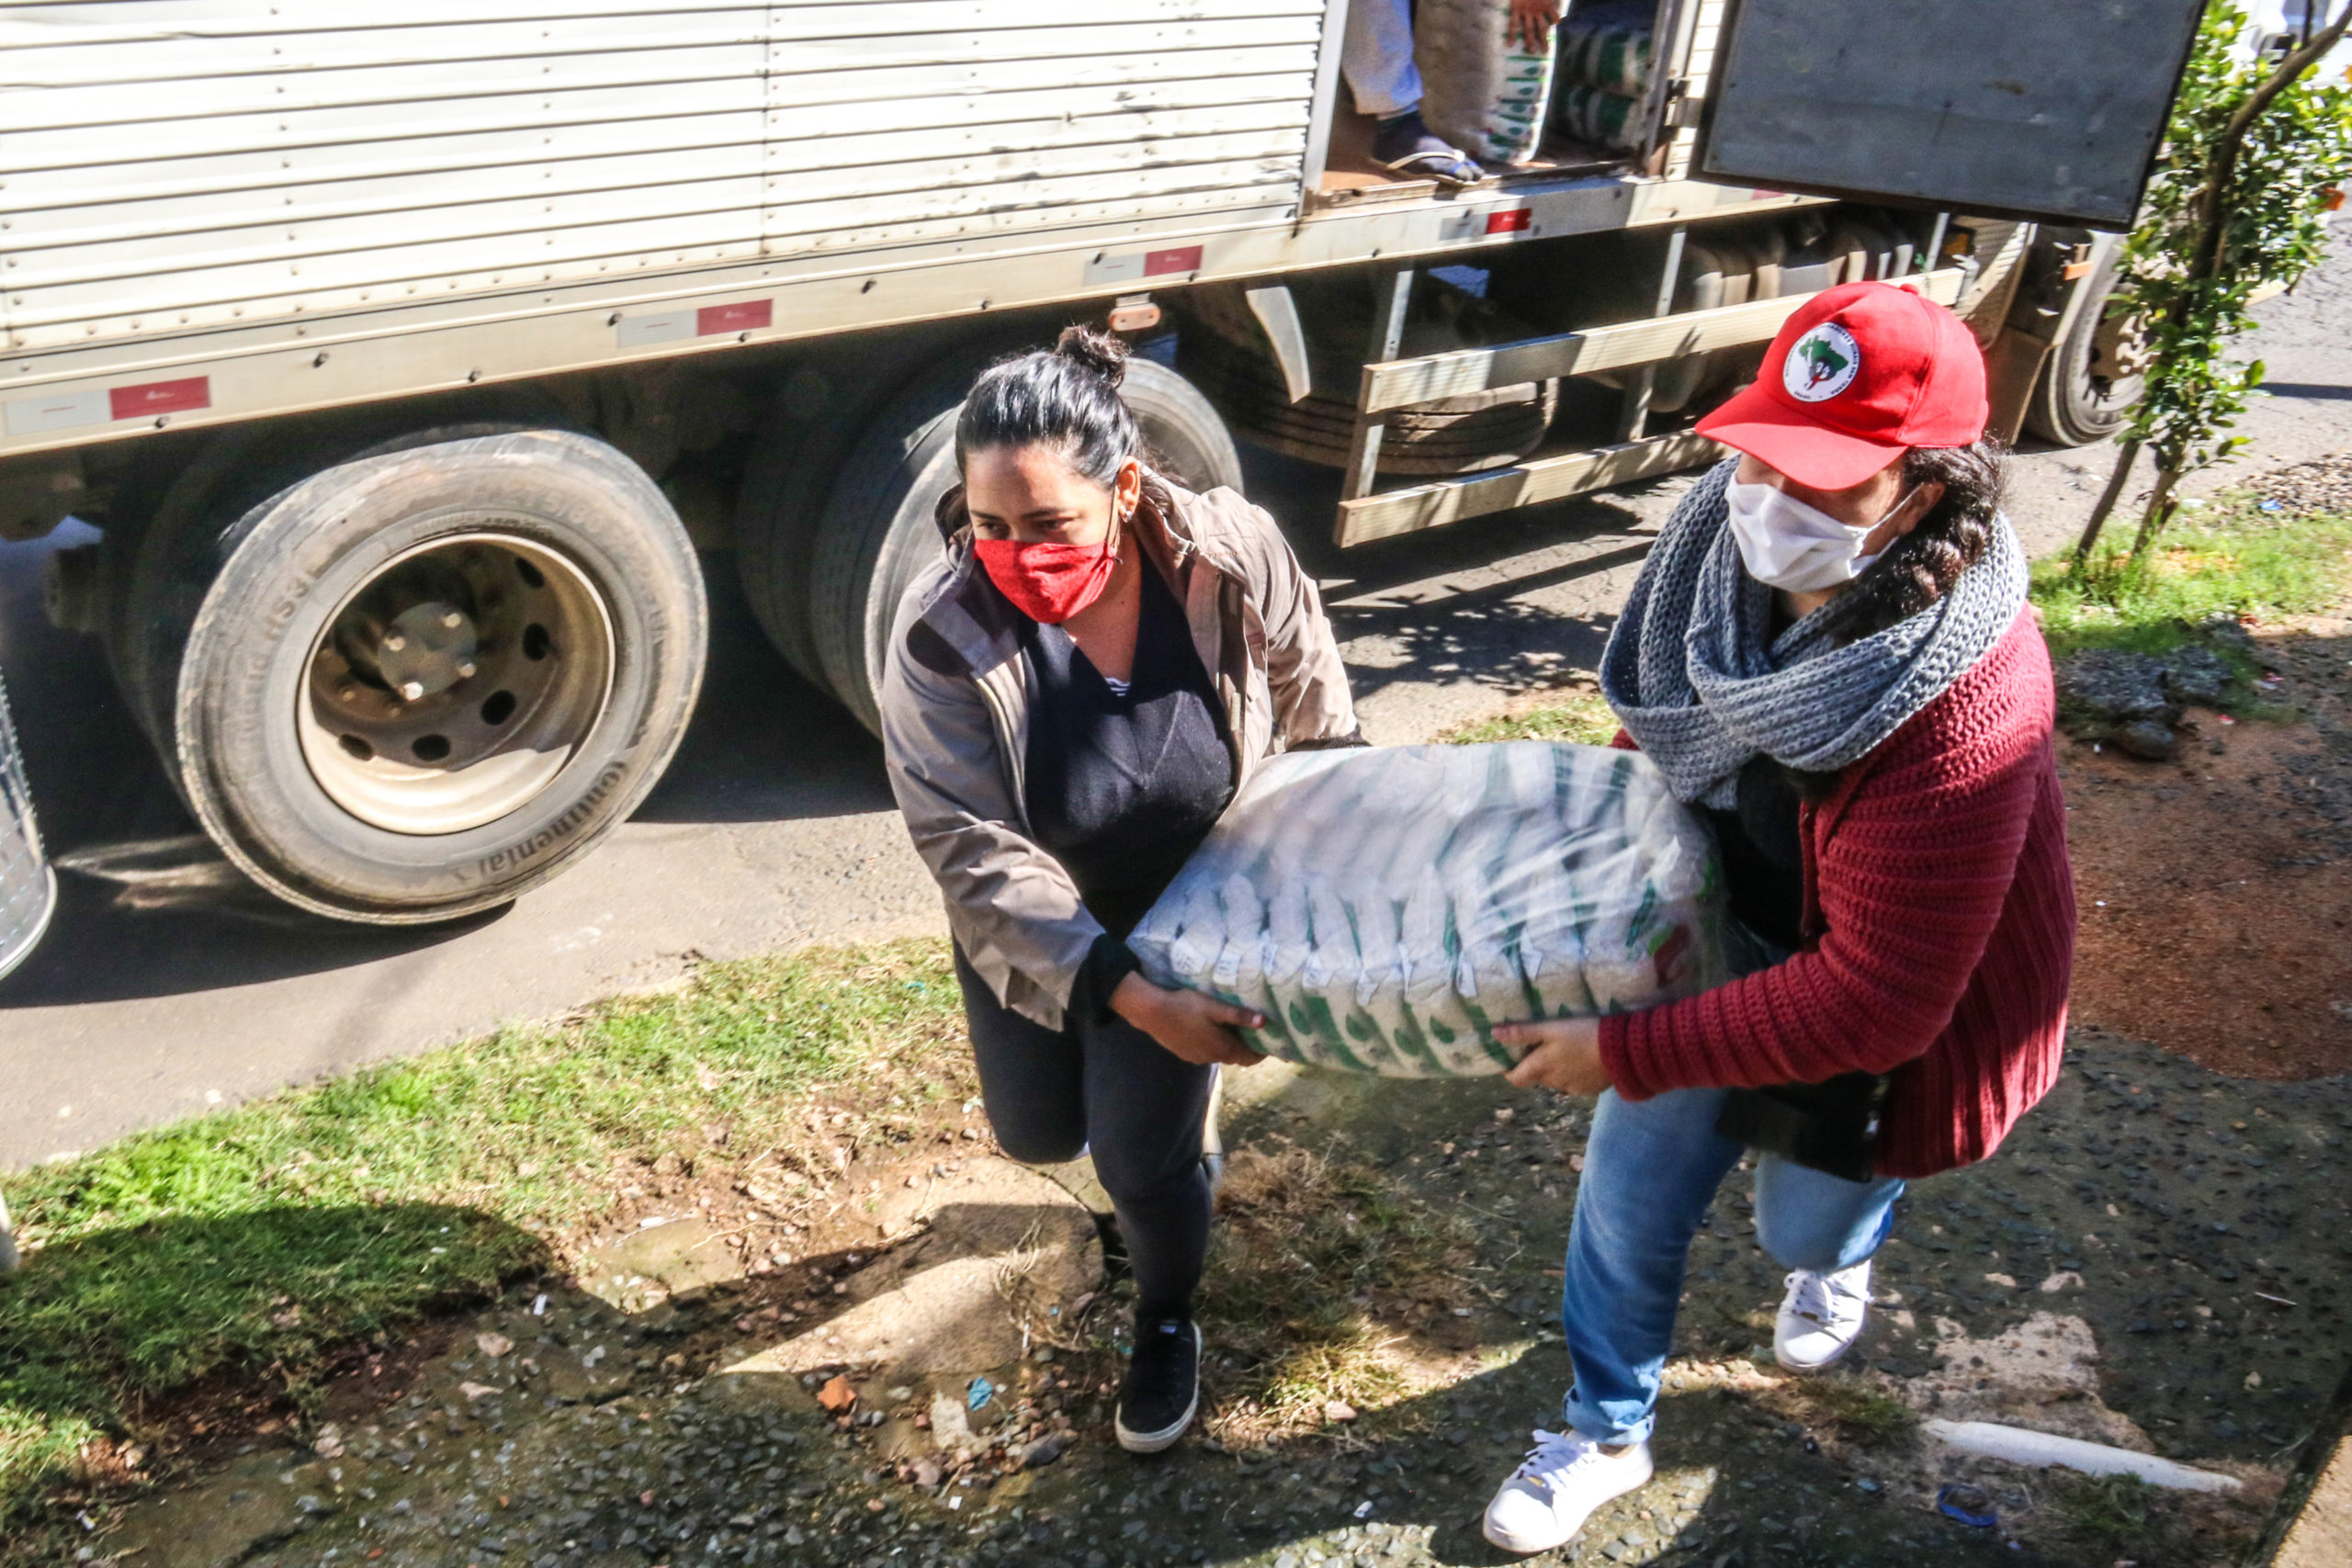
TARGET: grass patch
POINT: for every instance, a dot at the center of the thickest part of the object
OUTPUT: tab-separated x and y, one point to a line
1858	1412
2109	1505
2117	1513
2236	560
257	1240
1578	716
1309	1249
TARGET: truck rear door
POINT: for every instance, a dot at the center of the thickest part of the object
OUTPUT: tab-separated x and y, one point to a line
2045	109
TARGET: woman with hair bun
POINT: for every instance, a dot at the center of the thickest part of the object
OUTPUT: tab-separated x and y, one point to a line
1828	654
1073	693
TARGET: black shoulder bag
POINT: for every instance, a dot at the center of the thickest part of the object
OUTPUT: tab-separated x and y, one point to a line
1829	1126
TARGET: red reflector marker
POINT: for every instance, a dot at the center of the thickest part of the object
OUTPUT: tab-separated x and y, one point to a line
151	397
750	316
1185	258
1510	221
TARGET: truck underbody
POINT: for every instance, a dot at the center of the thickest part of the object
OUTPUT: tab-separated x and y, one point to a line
400	572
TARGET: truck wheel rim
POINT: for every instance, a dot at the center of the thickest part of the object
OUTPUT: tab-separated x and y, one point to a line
451	687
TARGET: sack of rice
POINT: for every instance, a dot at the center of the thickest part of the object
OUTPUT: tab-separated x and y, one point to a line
1385	908
1608	46
1605	119
1481	89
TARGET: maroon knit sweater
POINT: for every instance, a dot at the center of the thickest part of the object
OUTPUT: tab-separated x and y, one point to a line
1939	929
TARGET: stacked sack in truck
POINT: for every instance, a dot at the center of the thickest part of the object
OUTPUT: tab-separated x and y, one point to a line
1384	908
1604	70
1481	90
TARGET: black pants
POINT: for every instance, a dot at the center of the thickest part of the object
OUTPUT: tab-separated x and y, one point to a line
1052	1093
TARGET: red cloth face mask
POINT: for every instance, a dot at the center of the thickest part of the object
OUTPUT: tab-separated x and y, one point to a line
1047	582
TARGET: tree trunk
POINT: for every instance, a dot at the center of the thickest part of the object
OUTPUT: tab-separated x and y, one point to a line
2126	454
2161	507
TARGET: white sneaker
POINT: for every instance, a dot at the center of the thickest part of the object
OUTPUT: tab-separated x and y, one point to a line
1557	1486
1821	1316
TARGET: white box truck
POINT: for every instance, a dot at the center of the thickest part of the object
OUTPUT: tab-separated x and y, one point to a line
407	356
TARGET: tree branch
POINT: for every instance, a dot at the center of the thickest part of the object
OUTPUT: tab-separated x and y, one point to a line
2232	141
2206	262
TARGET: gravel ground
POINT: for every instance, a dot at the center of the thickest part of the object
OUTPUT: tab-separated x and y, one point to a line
2150	1261
2322	484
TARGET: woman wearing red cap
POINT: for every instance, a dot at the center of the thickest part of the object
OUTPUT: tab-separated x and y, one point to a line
1828	654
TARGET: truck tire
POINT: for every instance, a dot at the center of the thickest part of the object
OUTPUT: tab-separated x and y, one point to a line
795	454
793	458
421	681
2087	389
879	531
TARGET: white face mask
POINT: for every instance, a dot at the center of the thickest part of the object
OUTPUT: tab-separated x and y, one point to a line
1789	545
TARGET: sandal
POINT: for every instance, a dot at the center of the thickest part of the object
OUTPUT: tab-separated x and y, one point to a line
1406	146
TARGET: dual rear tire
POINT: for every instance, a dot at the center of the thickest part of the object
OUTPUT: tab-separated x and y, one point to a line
830	543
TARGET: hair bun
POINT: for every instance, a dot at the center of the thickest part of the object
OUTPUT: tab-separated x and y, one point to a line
1099	352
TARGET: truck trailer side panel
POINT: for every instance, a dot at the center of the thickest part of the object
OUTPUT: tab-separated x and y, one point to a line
176	165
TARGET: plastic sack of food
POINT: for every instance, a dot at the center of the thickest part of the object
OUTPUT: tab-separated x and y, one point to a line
1480	89
1385	908
1608	46
1604	119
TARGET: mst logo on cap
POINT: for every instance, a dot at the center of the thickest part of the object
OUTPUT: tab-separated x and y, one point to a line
1821	364
1856	377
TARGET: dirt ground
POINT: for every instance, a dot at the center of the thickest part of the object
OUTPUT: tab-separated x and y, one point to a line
2150	1262
2217	892
909	1363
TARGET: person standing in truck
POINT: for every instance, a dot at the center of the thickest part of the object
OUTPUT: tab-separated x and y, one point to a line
1829	655
1376	56
1073	693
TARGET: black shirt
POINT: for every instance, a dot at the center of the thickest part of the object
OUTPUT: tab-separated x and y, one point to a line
1124	783
1763	858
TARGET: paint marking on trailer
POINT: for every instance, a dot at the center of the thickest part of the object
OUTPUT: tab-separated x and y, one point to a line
655	326
149	398
1127	266
59	410
143	400
709	321
1474	223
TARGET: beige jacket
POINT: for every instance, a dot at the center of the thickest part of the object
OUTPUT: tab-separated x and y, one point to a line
955	694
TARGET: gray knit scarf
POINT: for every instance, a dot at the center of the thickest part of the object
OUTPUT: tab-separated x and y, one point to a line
1700	682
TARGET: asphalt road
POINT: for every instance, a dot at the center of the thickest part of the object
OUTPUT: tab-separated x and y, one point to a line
166	986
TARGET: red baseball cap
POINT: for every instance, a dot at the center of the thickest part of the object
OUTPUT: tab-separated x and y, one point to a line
1860	376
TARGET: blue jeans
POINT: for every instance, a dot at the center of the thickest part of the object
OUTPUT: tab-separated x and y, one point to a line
1650	1170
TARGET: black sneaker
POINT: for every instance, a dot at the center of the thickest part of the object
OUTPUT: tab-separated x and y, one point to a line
1162	1387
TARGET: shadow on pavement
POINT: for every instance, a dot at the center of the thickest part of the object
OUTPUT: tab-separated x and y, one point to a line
764	745
2307	390
225	934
